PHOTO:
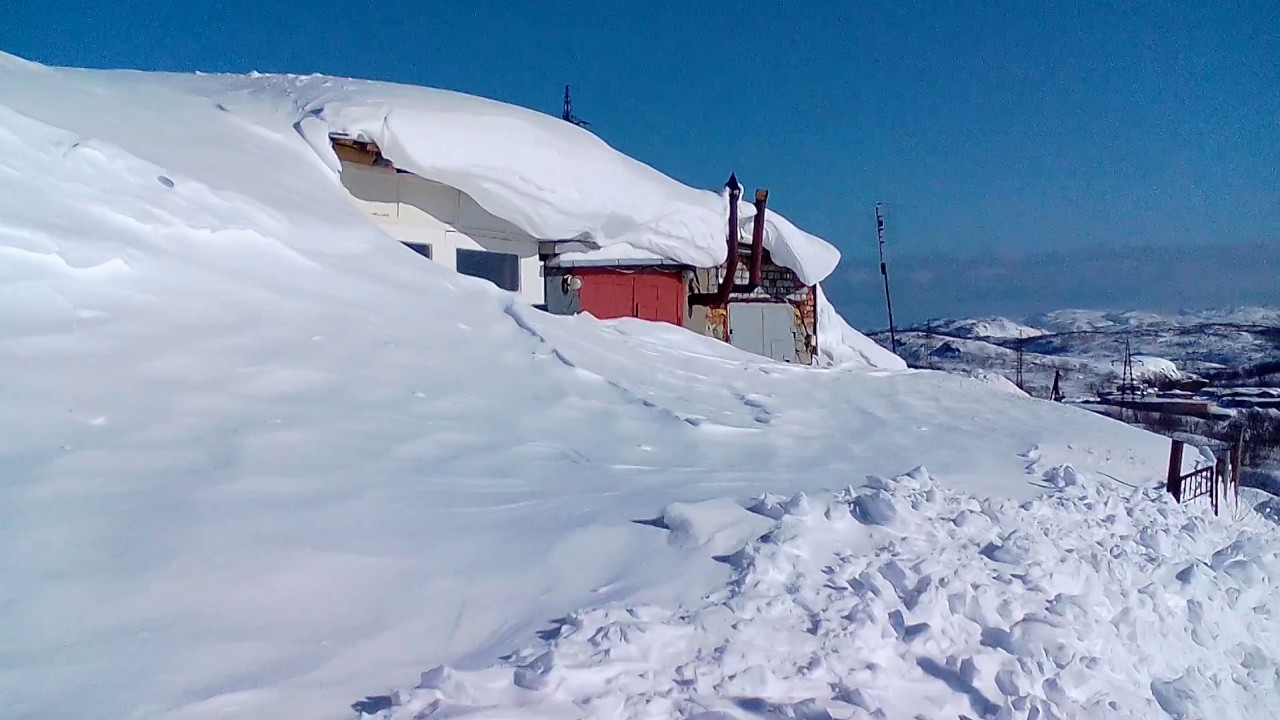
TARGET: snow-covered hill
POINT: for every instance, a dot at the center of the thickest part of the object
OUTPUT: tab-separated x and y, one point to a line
258	460
1201	340
1066	321
1089	345
992	327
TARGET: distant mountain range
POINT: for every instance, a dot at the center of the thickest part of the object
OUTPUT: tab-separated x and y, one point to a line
1088	346
1034	279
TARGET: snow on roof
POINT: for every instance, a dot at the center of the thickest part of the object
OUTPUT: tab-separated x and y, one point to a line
552	179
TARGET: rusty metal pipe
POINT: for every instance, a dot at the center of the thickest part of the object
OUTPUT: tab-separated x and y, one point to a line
721	296
757	238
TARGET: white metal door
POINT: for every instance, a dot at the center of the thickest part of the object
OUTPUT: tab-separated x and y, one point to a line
746	327
764	328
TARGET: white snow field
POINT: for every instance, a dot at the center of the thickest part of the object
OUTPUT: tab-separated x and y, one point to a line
257	460
906	599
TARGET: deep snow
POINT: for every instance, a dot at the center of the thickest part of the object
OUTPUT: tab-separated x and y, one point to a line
258	460
906	599
550	178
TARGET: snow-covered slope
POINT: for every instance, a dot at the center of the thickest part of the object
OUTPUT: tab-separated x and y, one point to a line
257	459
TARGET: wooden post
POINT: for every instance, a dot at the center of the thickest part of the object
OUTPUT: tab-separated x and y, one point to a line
1236	453
1219	472
1173	483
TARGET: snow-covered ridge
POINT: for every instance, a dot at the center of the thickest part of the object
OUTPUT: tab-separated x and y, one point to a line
979	328
1070	320
550	178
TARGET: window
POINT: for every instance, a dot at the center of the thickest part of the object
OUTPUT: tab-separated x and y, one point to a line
501	269
422	249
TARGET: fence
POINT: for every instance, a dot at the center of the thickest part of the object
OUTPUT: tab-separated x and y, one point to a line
1215	480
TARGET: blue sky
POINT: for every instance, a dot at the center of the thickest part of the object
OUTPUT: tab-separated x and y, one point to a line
1003	129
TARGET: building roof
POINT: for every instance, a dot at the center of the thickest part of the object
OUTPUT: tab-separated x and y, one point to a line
549	177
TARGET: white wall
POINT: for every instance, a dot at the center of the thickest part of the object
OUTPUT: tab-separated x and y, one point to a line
411	209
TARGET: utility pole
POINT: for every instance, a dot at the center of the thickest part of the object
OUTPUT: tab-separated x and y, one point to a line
1018	371
567	113
884	271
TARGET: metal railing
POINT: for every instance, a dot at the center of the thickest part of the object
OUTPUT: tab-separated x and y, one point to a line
1214	481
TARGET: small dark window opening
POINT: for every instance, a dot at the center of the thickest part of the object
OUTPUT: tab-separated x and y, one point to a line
501	269
422	249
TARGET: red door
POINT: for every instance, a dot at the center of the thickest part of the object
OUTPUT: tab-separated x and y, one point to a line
608	293
659	297
648	295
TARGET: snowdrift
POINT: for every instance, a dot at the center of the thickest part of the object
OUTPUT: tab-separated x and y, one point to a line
841	346
550	178
905	599
258	460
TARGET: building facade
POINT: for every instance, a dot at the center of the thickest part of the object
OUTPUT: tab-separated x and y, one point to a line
440	222
748	301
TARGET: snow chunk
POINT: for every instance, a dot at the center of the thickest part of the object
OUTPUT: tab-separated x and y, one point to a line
720	526
775	507
1178	698
874	508
535	675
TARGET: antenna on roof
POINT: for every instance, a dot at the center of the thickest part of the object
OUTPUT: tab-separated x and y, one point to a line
567	114
884	270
